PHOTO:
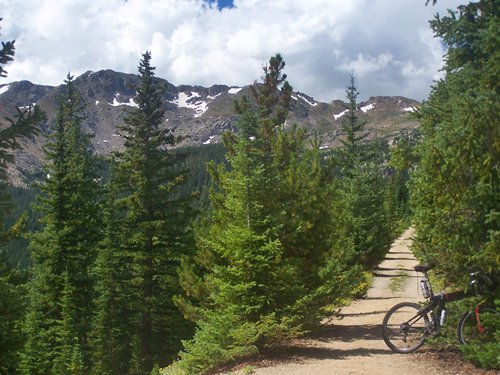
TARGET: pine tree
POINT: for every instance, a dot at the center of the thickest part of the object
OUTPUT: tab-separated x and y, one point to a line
63	252
149	234
11	312
456	186
353	129
362	186
24	125
266	260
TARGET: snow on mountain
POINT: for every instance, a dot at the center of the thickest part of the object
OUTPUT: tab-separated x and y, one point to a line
184	100
207	142
116	103
199	115
212	97
307	100
409	109
368	107
4	88
339	115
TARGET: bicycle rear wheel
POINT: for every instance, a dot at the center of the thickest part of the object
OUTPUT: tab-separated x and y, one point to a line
404	329
472	332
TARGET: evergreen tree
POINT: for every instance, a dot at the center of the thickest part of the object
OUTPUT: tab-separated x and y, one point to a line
360	165
24	125
147	232
6	55
455	187
267	261
11	312
61	291
402	163
353	129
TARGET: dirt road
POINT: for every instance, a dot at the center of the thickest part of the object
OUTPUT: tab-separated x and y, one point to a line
352	343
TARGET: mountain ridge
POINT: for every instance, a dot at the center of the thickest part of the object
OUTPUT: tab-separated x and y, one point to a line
198	114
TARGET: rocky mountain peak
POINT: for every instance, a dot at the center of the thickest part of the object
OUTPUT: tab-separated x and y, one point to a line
199	114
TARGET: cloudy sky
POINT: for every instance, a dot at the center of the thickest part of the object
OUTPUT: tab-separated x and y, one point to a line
388	44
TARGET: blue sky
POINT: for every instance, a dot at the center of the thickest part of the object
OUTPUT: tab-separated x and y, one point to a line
388	44
221	4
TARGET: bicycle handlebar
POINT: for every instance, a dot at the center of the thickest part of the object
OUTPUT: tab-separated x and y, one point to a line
479	278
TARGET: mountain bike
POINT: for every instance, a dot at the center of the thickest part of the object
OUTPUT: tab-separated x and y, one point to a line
407	325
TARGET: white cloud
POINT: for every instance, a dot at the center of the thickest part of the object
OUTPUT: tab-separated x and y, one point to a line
388	44
367	64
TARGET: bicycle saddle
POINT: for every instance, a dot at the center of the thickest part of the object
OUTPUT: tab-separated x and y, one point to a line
423	269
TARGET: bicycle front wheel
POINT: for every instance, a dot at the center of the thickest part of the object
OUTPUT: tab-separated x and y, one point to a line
480	329
404	327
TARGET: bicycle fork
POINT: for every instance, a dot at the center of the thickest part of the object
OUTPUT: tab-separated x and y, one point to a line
480	327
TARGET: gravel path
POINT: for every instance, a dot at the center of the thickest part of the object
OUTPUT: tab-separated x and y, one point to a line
352	342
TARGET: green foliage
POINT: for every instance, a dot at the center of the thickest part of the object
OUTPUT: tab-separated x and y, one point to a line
362	187
63	251
11	310
484	356
6	55
147	231
402	163
270	258
24	125
455	188
22	212
353	129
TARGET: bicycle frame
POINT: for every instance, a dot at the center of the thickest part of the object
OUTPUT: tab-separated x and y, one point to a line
410	334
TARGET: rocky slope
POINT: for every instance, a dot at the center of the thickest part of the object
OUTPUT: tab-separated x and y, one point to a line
199	114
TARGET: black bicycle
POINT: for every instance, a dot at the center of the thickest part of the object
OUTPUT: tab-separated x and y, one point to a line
406	325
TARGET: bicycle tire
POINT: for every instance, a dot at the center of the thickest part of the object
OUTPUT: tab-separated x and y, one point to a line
468	331
399	334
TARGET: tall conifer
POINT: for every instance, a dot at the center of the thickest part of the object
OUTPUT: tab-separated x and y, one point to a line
147	231
266	263
63	252
362	185
456	184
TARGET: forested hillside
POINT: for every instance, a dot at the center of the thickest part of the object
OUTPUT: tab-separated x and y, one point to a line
162	257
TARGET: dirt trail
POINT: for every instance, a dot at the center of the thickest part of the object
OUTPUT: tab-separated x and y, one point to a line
352	343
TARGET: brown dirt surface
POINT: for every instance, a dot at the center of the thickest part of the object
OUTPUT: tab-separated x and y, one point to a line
351	342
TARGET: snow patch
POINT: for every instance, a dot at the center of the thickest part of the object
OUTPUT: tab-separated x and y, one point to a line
409	109
234	90
116	103
368	107
4	89
198	106
307	101
294	98
29	106
96	102
207	142
213	97
339	115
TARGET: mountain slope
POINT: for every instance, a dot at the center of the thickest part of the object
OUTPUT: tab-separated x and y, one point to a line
198	114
